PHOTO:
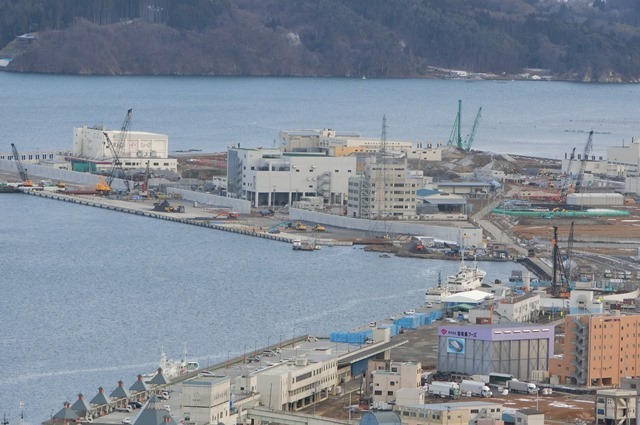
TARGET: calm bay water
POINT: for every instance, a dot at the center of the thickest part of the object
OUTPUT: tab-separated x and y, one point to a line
529	117
90	296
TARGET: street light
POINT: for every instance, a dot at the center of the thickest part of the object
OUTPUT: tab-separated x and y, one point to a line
291	168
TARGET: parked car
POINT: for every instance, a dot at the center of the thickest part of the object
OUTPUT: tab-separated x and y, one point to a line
126	421
135	404
429	305
253	359
268	353
410	311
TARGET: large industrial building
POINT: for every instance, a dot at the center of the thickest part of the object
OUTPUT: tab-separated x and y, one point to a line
270	177
516	349
136	149
599	350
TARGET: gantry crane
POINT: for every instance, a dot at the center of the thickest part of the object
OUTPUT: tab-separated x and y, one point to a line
583	162
21	170
455	139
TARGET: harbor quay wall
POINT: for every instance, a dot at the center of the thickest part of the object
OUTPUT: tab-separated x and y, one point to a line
56	174
121	206
468	235
238	205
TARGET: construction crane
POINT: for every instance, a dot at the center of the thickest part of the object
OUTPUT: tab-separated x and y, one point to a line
560	280
116	165
455	139
21	170
567	178
116	151
569	266
124	132
583	163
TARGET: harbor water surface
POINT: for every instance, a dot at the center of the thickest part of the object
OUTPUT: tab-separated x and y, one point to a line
92	296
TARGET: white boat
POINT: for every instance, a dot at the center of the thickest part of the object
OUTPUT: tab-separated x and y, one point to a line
466	278
173	368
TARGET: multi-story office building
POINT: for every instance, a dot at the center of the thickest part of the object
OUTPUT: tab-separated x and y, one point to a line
384	190
206	401
598	350
270	177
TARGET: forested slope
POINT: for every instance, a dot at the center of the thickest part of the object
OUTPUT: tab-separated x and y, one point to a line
576	40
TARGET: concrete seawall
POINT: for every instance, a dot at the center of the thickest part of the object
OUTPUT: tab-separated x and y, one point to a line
120	207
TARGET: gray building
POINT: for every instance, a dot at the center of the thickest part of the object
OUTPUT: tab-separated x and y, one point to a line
516	349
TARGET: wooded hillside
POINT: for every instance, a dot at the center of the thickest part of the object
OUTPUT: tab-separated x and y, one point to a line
575	40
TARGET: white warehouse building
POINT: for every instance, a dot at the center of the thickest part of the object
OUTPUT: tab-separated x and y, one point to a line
138	149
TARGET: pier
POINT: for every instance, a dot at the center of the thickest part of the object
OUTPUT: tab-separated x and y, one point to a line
187	218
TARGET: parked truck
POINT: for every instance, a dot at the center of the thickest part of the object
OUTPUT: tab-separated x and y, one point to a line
475	388
516	386
444	389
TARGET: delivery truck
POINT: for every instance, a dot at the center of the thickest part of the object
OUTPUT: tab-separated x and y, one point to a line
444	389
475	388
516	386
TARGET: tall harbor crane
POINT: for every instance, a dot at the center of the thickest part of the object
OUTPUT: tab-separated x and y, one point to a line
116	165
455	139
21	170
583	162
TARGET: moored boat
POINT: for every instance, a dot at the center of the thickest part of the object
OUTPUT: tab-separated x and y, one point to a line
467	278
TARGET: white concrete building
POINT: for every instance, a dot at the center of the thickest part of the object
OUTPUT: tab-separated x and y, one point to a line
139	148
616	407
269	177
298	383
519	309
386	383
205	400
383	191
623	160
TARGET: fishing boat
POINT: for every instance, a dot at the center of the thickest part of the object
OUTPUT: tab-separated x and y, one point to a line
299	245
438	293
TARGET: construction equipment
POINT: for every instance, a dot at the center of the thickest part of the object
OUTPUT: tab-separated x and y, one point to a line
102	186
21	170
300	227
455	139
116	165
319	228
560	282
116	150
583	163
165	206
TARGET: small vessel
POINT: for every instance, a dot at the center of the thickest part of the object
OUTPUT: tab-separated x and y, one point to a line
466	278
173	368
438	293
299	245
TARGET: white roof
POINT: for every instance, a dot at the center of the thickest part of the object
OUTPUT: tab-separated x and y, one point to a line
467	297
